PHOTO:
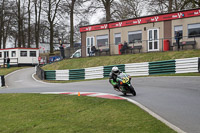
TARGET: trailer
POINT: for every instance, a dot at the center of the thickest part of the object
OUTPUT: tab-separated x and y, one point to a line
19	56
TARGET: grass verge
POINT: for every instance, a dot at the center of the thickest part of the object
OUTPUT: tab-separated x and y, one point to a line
5	71
120	59
69	114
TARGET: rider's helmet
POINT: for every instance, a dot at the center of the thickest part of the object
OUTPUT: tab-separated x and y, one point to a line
115	70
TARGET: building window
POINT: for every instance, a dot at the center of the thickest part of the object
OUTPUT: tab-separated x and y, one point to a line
102	40
13	54
179	29
32	53
135	36
23	53
0	54
193	30
117	38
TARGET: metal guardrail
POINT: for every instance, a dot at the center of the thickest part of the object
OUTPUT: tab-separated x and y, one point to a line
186	65
199	65
162	67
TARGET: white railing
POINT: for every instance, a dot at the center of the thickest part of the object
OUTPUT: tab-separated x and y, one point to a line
187	65
137	69
94	72
62	74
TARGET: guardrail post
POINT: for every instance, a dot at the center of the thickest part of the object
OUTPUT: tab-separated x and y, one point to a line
199	65
2	81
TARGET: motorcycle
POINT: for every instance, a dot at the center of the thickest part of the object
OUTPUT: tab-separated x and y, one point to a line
124	83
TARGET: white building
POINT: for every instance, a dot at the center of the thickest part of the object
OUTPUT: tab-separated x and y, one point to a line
19	56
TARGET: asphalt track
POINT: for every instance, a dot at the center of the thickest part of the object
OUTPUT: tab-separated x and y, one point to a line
176	99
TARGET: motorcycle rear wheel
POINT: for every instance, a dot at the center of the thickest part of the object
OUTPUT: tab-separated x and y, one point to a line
132	90
124	93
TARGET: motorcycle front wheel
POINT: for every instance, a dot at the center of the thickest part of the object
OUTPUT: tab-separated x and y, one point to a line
132	90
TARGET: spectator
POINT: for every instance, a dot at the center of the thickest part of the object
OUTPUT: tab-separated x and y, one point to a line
178	37
124	47
62	52
8	62
93	51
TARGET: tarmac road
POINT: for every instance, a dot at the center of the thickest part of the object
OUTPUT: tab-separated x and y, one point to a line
176	99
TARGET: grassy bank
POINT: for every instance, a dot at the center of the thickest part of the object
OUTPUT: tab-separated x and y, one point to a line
120	59
5	71
69	114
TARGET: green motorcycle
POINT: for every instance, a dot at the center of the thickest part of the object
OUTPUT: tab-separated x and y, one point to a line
124	83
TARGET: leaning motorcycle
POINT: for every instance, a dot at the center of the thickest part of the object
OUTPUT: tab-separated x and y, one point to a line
124	83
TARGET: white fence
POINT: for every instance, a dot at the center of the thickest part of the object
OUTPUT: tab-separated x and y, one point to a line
94	72
187	65
137	69
62	74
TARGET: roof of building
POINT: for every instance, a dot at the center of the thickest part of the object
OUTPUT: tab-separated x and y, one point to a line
19	48
142	20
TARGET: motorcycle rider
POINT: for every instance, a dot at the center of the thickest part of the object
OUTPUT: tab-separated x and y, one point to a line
113	76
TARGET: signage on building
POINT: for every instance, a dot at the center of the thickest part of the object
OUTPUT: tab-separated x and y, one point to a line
143	20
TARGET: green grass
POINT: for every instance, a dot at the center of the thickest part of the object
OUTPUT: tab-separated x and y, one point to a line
35	113
5	71
120	59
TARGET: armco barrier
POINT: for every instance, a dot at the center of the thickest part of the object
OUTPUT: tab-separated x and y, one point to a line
94	72
187	65
134	69
76	74
162	67
107	69
62	74
137	69
2	81
199	65
50	75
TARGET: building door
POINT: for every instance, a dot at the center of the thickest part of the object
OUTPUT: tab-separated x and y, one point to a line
90	43
153	40
6	54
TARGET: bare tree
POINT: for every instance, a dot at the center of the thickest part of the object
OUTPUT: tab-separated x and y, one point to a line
2	21
125	9
70	5
51	11
6	19
163	6
107	6
18	3
29	23
38	4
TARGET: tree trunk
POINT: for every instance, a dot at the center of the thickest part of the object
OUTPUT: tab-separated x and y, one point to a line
170	6
51	37
72	24
108	15
37	23
29	24
19	25
2	23
23	35
38	26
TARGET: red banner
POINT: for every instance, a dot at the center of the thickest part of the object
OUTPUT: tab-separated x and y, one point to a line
143	20
94	27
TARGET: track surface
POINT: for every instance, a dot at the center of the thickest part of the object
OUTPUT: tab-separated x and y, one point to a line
176	99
